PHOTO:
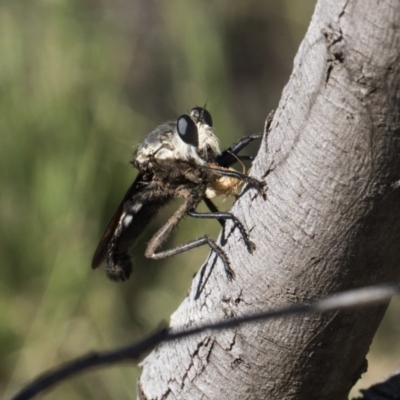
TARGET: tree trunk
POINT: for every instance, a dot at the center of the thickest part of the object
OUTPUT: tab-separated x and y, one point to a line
330	223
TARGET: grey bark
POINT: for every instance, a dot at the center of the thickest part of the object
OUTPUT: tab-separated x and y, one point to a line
330	223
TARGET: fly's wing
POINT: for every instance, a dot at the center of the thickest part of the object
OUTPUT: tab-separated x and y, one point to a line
101	250
140	204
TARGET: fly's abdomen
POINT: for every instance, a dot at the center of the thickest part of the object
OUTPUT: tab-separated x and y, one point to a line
135	217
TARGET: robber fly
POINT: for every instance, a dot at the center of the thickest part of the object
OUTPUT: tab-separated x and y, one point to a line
178	159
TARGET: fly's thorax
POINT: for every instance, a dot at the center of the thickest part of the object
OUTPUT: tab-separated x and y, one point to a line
164	144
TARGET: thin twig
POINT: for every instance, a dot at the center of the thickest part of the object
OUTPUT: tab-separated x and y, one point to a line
351	299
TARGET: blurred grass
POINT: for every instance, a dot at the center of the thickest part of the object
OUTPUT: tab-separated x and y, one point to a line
81	83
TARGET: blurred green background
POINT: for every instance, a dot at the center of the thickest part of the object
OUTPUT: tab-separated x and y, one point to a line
82	82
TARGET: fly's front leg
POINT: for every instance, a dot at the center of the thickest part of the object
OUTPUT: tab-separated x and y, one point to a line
227	216
229	156
243	142
163	233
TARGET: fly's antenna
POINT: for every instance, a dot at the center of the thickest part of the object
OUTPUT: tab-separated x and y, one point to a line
239	160
204	108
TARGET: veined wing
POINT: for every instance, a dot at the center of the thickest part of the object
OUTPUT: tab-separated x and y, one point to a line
140	204
101	250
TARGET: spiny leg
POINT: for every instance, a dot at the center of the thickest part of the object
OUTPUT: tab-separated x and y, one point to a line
227	216
213	208
162	234
193	244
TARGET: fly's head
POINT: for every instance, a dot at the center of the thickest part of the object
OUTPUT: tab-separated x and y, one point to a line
189	138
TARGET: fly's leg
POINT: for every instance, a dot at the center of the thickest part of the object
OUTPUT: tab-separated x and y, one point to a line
162	234
229	156
227	216
213	208
191	245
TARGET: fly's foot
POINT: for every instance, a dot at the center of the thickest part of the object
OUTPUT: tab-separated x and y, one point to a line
258	185
230	273
250	245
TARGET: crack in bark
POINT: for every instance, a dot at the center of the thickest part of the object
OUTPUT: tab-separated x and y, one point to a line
196	356
333	38
333	35
343	9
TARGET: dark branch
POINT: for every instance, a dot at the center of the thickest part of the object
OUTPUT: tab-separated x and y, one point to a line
368	296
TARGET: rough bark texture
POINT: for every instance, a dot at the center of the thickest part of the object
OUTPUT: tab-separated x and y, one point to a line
331	222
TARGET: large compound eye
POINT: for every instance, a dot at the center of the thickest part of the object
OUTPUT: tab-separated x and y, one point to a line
187	130
202	115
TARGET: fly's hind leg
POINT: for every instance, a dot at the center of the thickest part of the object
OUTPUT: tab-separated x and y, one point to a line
226	216
162	234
